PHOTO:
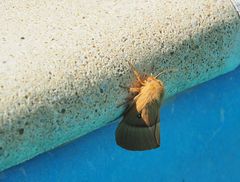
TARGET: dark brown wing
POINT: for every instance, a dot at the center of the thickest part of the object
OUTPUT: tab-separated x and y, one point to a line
140	130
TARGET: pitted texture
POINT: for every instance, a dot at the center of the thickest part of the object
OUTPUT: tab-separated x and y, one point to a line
62	62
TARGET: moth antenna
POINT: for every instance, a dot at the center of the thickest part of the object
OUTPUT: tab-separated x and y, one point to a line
136	73
165	71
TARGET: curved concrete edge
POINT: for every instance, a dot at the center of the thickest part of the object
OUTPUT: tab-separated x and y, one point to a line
62	67
233	60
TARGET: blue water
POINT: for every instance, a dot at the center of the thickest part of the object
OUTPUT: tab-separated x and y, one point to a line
200	141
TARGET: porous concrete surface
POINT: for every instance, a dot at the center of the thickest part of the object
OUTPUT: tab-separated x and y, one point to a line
61	62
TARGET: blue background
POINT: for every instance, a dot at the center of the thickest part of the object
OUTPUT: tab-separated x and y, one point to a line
200	141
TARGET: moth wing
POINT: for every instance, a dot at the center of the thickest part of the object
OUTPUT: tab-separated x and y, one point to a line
140	130
151	116
150	113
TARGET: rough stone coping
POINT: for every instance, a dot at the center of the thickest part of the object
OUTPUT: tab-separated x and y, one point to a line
61	62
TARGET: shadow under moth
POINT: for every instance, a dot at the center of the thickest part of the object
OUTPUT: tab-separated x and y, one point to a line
140	126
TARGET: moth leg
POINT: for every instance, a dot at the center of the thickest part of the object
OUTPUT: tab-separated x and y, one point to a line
131	89
127	101
136	73
121	104
134	89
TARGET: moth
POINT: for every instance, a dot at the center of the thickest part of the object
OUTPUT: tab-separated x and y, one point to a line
140	126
